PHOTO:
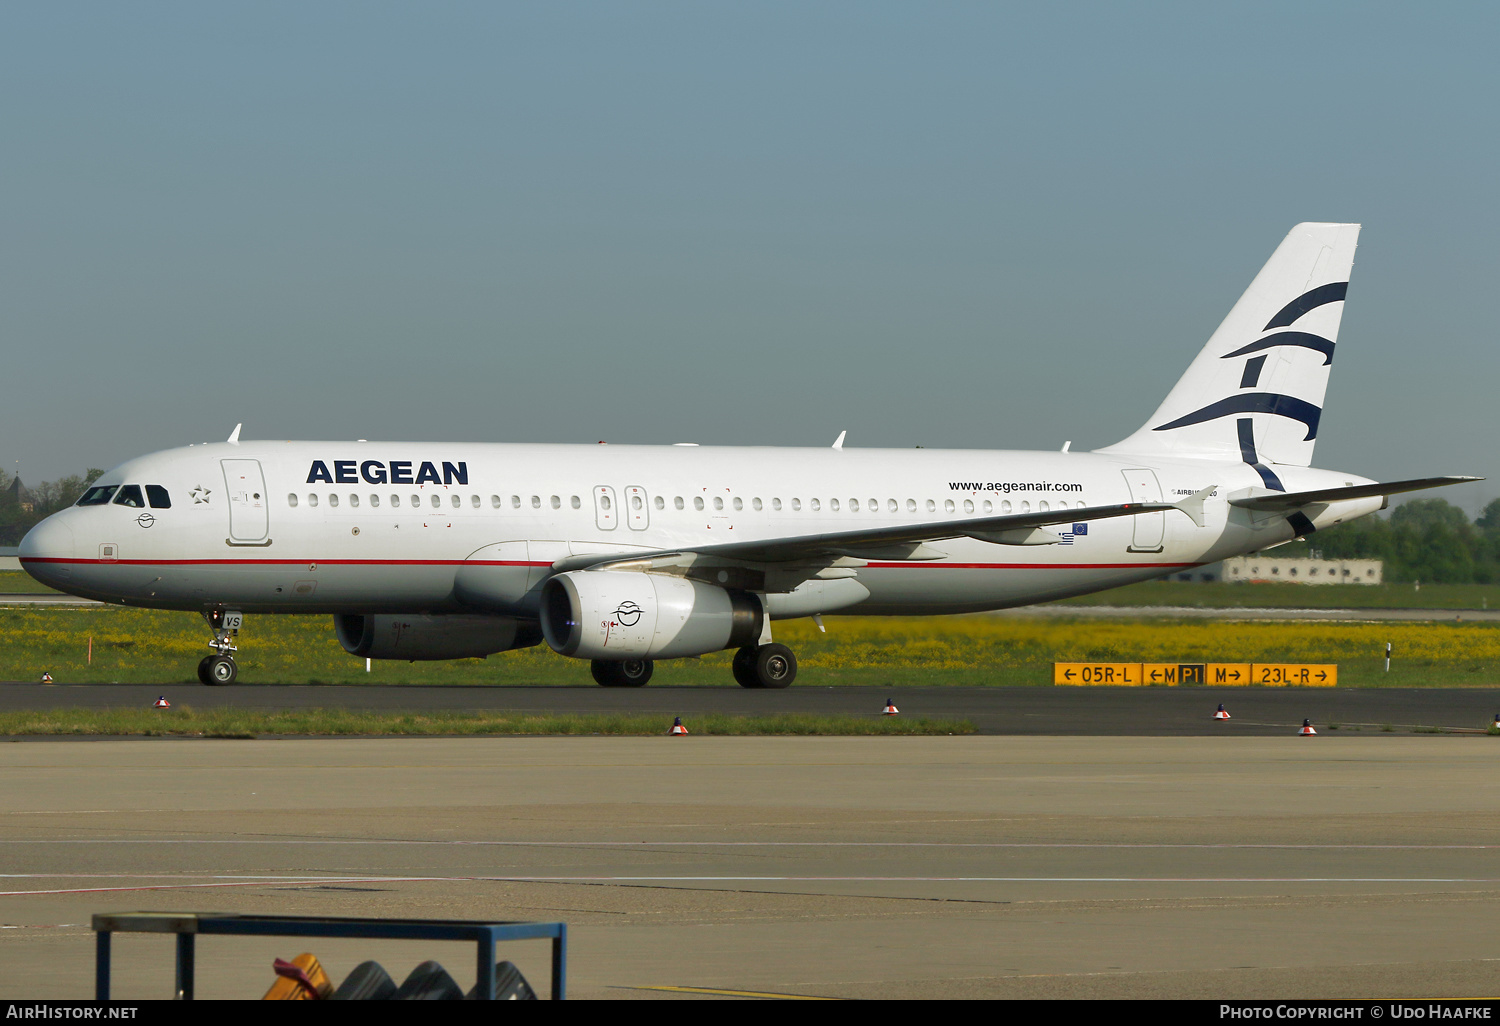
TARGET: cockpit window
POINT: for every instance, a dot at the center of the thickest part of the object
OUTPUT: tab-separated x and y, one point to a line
159	497
97	495
130	495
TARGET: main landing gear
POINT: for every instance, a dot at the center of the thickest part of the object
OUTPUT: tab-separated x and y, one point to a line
765	666
219	668
622	673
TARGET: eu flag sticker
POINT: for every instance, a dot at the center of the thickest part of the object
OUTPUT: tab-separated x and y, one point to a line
1079	529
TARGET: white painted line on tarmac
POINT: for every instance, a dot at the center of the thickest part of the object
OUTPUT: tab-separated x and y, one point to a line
765	844
635	879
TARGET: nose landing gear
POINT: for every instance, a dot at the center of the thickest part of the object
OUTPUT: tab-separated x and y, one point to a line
219	668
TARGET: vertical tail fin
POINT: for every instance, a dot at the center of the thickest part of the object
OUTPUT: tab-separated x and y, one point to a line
1255	392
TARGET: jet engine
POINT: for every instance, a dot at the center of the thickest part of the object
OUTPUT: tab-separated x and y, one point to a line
432	637
621	614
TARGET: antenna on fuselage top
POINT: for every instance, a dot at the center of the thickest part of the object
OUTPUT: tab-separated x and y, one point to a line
838	443
234	436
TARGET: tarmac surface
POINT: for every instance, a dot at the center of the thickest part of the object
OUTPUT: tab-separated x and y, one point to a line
1239	867
1053	711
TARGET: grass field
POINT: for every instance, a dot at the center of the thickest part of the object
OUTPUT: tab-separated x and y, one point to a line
142	646
1296	596
19	582
184	721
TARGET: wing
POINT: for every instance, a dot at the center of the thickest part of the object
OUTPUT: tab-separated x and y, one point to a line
780	564
1281	501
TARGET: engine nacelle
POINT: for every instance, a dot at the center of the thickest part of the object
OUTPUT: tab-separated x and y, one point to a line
432	637
621	614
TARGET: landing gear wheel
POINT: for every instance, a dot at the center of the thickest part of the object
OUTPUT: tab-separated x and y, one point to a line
634	673
744	668
622	673
221	670
203	677
775	666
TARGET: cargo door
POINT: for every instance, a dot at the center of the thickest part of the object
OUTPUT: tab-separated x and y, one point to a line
249	522
1150	528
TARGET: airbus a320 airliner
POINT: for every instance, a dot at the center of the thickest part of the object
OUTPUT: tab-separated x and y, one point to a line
624	554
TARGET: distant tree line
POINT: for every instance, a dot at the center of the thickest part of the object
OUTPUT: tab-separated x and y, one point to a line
44	499
1427	540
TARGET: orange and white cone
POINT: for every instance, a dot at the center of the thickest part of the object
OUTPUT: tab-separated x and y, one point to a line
161	703
678	730
1222	714
890	708
1496	724
1307	729
46	677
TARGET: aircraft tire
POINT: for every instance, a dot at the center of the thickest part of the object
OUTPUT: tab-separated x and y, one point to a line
606	672
775	666
222	670
634	673
203	677
744	668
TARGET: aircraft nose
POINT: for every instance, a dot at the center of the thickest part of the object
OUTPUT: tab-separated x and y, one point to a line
46	544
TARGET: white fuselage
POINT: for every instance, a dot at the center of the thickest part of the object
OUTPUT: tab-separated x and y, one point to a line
399	527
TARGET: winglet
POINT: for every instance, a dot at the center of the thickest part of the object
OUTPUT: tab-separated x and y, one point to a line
234	436
838	443
1193	504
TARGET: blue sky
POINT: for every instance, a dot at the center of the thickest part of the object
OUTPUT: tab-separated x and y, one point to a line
968	225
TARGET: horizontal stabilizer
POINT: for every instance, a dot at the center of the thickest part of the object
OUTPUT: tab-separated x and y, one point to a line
1291	500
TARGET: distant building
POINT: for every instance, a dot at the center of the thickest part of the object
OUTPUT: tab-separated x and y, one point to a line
1260	568
21	496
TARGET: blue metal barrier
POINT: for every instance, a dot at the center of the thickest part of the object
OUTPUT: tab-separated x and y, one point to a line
187	926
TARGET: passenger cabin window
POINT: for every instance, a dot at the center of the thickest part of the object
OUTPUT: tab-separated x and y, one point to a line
776	504
718	502
577	503
291	500
948	506
159	497
416	502
474	501
374	500
354	501
437	501
515	502
556	502
660	502
536	502
130	495
756	503
495	501
796	505
395	500
911	505
833	505
677	502
697	502
458	501
931	506
814	505
333	500
312	500
968	505
97	495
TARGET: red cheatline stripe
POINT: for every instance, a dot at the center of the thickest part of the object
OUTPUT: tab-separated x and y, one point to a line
519	562
288	562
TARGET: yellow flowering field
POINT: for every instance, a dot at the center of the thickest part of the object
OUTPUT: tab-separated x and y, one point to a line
131	645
